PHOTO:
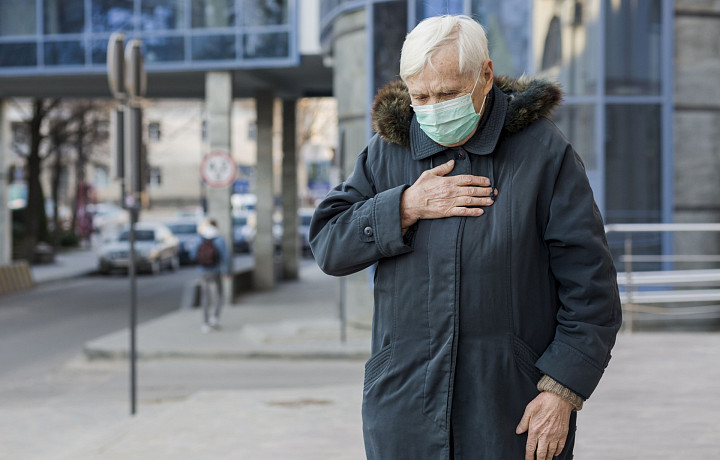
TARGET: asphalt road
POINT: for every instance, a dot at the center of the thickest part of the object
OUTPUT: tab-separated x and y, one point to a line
42	328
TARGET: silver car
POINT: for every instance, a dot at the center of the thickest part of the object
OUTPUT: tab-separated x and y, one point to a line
155	248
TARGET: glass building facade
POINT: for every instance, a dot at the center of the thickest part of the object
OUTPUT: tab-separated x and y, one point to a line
70	36
613	59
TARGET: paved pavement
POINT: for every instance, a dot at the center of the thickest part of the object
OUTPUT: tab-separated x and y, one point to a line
659	399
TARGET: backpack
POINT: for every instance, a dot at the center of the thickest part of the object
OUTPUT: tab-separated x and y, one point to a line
207	254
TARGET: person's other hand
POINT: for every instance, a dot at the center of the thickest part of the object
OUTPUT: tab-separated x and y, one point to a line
546	419
434	196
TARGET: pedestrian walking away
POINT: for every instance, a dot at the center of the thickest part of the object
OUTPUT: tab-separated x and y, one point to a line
213	261
496	301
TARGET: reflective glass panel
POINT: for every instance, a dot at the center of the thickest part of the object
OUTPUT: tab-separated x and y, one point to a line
213	47
428	8
17	17
506	25
565	43
633	36
633	163
162	14
389	33
213	13
164	49
99	51
268	45
64	53
63	16
577	122
18	54
112	15
265	12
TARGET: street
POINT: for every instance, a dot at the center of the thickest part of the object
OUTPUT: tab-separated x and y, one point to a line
42	328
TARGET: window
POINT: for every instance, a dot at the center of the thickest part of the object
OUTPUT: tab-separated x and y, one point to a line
266	12
112	15
213	47
154	133
17	17
155	176
162	14
18	54
252	131
213	13
632	50
64	53
63	16
20	137
102	176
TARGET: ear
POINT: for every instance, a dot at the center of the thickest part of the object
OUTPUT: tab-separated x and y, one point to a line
487	76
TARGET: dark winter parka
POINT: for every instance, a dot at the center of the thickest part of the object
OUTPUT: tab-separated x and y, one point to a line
470	312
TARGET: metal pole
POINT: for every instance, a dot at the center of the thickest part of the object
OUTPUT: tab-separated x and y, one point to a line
133	314
629	283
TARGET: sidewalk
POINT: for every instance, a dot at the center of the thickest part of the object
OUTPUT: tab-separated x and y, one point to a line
296	320
659	399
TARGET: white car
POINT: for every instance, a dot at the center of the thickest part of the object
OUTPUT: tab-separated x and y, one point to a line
155	248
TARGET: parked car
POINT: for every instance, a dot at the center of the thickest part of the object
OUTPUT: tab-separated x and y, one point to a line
243	231
186	231
108	218
304	218
155	248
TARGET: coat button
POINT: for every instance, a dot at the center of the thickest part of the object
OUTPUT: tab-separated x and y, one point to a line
461	155
368	231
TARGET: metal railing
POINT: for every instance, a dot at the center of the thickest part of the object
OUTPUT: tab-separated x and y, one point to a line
683	283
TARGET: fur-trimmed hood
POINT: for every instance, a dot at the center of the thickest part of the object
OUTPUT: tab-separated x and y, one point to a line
528	100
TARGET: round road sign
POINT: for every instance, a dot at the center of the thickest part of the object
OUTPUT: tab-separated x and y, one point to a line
218	169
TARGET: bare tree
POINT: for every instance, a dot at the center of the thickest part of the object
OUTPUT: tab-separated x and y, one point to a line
35	218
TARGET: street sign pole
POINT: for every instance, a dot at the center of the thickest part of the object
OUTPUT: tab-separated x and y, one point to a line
127	81
135	84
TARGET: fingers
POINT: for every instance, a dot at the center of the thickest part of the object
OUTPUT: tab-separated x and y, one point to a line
443	169
524	422
467	180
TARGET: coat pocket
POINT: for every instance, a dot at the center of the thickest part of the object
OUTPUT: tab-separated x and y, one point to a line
376	365
525	359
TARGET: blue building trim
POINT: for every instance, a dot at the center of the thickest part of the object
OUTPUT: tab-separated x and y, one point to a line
282	37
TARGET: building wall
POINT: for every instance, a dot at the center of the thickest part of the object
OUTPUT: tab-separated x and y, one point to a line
697	117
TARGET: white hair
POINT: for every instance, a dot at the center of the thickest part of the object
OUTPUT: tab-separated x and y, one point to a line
432	34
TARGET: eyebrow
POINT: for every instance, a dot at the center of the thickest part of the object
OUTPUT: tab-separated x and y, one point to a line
442	90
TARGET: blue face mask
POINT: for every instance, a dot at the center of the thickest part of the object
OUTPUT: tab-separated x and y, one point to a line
449	122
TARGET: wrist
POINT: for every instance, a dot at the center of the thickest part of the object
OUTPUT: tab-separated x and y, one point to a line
407	217
548	384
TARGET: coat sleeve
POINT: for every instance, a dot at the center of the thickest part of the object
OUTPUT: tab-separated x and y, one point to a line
355	225
589	316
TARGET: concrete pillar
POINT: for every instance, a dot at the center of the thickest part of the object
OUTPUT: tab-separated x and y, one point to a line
218	102
264	273
5	226
290	246
350	87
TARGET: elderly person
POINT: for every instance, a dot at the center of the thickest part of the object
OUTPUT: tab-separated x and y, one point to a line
496	302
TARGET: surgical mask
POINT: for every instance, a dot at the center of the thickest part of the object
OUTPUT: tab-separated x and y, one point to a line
449	122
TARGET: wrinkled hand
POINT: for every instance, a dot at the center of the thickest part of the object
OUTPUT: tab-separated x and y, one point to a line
546	419
434	196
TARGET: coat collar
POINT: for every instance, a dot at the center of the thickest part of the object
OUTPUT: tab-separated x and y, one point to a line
484	140
518	102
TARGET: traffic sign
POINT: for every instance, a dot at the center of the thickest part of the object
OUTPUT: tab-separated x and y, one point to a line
218	169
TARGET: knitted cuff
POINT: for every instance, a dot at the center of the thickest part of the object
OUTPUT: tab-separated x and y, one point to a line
546	383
